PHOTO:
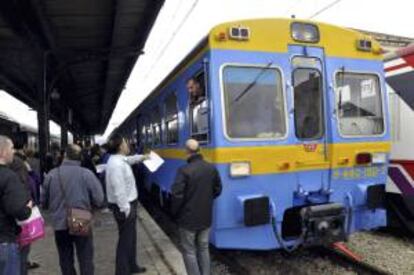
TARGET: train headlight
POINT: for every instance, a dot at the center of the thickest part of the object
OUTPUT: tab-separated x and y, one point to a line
379	158
364	45
240	169
305	32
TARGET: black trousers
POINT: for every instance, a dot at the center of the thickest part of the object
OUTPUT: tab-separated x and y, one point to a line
65	244
126	251
24	257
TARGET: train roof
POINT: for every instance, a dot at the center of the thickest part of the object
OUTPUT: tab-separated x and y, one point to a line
337	41
341	42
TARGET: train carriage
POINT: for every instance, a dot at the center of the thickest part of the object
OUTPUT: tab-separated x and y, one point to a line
399	74
295	118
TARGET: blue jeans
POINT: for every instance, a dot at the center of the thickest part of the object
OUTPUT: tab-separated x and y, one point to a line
194	245
9	259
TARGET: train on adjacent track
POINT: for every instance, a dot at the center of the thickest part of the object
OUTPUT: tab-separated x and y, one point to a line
23	134
399	74
294	115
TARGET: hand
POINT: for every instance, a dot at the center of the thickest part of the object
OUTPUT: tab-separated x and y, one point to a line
30	204
146	157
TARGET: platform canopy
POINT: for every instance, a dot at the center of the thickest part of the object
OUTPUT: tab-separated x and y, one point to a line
82	51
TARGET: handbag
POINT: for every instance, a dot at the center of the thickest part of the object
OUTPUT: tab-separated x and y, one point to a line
32	229
79	221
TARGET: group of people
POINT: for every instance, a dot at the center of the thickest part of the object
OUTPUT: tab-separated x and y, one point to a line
69	184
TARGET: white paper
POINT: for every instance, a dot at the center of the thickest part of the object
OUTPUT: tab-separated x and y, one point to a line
100	168
154	162
367	88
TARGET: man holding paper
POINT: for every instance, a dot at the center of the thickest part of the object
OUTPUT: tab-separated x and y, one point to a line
123	200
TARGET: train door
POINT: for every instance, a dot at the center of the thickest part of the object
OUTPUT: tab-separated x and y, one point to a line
310	128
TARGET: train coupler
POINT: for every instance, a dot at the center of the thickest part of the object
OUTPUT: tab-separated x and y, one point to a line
323	224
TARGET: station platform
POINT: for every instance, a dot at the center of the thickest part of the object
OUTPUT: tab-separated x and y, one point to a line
155	250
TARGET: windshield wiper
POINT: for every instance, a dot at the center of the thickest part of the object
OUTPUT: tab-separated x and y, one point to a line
253	83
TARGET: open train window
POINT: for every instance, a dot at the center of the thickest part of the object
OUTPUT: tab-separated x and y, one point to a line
171	120
199	111
307	85
156	126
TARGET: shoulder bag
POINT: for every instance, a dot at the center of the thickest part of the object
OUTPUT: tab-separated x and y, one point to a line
79	221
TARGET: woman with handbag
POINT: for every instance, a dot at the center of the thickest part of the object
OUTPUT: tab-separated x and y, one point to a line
15	204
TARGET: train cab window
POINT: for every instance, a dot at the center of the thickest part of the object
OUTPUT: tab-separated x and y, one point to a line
199	113
254	103
156	126
307	85
359	104
171	120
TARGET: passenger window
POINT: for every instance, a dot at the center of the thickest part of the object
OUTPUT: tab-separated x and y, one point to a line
148	130
142	135
156	126
199	124
171	119
307	85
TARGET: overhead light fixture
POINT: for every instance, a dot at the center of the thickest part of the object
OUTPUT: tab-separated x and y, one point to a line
55	95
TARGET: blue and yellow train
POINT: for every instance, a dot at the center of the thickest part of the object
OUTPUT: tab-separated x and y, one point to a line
294	115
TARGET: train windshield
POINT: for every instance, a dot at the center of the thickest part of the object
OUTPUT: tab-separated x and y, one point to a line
254	101
359	104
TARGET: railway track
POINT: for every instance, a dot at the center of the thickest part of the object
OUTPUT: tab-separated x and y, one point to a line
290	266
273	262
359	266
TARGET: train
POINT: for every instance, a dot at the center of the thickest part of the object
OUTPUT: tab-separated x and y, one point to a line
294	115
22	133
399	74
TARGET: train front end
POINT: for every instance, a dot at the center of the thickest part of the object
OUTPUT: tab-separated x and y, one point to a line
300	131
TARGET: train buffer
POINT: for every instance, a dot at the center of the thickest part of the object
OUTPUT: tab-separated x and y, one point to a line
155	250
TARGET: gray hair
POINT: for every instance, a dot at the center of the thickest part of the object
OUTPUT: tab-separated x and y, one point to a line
73	152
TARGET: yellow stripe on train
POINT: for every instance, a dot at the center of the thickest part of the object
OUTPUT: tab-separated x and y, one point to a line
286	158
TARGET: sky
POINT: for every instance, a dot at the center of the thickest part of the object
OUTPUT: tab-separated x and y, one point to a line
181	24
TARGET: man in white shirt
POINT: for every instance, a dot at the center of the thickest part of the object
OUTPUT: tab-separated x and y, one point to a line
123	199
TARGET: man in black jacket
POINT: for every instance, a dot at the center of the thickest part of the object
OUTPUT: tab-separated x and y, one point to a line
15	204
196	186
